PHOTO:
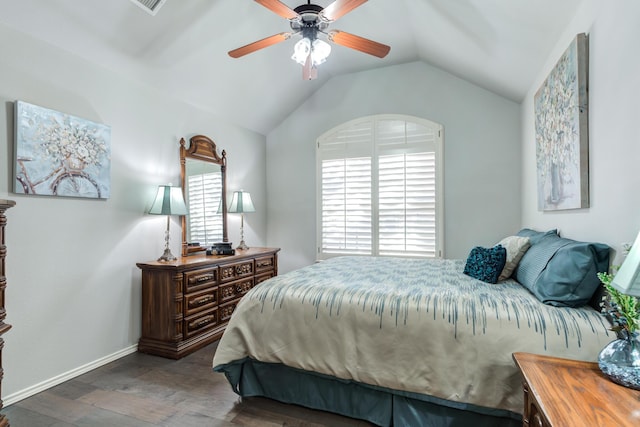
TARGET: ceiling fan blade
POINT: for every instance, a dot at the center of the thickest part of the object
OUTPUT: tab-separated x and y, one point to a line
260	44
339	8
279	8
359	43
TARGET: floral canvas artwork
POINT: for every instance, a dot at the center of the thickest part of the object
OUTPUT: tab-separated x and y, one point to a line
60	155
562	138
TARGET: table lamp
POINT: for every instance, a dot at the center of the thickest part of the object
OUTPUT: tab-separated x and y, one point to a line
169	201
627	279
241	203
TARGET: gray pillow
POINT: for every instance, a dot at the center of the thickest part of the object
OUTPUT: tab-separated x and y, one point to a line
562	272
535	236
516	247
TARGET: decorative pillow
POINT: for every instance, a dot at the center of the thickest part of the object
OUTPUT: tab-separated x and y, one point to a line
562	272
536	258
535	236
486	263
516	247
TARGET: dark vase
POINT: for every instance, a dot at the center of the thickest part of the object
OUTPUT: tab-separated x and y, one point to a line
620	361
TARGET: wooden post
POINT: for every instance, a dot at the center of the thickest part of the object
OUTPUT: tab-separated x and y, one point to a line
4	205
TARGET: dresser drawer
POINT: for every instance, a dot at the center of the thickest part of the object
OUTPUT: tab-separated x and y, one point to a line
265	276
200	322
226	310
236	271
199	301
532	415
264	264
200	279
235	290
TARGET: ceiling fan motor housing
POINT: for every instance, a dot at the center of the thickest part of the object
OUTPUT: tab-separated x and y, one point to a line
308	8
309	21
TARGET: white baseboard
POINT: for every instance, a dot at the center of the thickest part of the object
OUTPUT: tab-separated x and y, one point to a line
37	388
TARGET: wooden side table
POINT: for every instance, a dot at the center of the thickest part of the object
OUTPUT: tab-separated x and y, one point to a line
561	392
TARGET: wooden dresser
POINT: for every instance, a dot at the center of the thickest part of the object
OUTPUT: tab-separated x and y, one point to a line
4	327
563	392
187	303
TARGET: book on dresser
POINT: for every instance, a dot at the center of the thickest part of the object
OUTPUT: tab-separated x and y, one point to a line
187	303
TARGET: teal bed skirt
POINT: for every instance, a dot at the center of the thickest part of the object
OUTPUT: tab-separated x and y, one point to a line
380	406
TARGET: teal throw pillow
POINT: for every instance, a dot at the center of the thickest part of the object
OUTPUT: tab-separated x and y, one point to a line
486	264
563	272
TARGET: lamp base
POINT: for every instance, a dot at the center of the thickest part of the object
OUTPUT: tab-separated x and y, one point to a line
167	256
242	246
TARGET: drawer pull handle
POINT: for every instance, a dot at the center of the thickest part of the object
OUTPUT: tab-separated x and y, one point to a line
537	420
264	264
238	269
205	278
201	322
201	301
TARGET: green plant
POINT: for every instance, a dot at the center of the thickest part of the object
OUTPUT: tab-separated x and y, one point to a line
623	310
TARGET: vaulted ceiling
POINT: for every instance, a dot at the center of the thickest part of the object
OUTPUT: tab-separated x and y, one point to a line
182	49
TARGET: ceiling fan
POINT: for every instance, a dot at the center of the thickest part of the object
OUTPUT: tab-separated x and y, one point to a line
310	21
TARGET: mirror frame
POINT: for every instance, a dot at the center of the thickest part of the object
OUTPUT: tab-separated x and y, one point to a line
202	148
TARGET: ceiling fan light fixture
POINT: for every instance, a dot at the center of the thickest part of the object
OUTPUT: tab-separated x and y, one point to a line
320	51
301	51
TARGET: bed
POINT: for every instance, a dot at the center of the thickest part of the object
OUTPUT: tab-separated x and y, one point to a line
399	341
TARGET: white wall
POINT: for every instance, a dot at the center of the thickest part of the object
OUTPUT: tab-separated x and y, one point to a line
481	145
614	128
73	294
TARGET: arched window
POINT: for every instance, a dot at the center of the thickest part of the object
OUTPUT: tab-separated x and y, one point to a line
379	188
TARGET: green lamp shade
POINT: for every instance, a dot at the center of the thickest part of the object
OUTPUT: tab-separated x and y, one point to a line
169	201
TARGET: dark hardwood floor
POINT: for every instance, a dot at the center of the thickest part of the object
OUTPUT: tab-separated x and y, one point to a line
140	390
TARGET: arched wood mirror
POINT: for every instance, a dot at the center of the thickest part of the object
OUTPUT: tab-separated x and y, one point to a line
203	178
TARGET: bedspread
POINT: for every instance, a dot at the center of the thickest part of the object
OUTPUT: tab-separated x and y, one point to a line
407	324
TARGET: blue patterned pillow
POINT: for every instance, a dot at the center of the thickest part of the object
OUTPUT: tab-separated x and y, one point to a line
486	264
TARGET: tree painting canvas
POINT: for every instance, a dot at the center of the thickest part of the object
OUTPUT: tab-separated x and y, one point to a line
60	155
562	133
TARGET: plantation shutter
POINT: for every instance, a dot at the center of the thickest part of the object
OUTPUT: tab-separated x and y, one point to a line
205	223
406	188
378	188
346	205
